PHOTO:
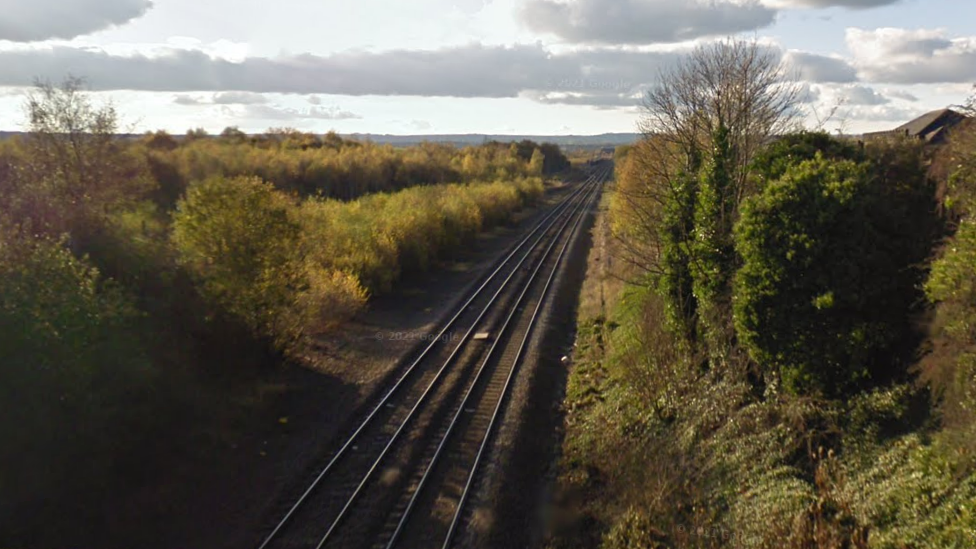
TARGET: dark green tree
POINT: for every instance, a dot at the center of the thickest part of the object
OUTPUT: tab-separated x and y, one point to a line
830	275
677	237
713	259
772	162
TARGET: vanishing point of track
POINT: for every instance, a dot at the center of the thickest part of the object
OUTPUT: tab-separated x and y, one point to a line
402	477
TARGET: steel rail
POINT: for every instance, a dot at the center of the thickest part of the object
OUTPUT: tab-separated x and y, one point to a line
481	369
498	406
337	521
545	223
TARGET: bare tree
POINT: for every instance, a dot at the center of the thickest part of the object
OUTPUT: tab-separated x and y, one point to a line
740	86
735	84
680	189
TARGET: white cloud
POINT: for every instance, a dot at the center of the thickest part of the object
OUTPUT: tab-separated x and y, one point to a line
239	98
603	77
598	100
862	95
852	4
643	21
903	95
278	113
808	94
35	20
882	113
901	56
468	71
812	67
189	100
222	98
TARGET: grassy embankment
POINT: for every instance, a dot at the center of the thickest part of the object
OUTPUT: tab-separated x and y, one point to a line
810	446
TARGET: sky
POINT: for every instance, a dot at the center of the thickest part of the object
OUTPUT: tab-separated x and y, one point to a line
546	67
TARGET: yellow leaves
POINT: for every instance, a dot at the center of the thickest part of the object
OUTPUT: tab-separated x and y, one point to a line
332	297
343	169
375	237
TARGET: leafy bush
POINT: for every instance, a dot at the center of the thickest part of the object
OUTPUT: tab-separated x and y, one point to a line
951	284
69	354
827	283
772	162
913	495
380	237
635	530
332	297
238	239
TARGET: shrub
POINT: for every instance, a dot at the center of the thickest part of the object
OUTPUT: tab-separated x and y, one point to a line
331	298
380	237
68	356
634	530
238	239
772	162
913	495
951	285
829	269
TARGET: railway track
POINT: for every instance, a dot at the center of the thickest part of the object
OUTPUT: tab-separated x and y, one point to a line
403	475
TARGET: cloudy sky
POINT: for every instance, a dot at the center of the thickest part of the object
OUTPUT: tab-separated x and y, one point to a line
469	66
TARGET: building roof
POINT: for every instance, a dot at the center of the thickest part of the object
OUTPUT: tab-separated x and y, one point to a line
931	121
930	127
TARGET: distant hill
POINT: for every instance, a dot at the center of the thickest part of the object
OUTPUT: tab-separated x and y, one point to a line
604	139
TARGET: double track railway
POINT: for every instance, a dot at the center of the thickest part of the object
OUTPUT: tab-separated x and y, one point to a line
404	474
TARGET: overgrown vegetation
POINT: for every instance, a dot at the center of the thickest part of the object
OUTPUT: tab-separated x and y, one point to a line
138	274
831	255
792	364
333	167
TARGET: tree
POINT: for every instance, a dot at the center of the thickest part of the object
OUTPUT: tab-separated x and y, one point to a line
76	164
537	162
555	160
951	286
196	133
160	140
233	134
712	260
736	85
830	274
676	281
239	241
703	122
775	159
69	357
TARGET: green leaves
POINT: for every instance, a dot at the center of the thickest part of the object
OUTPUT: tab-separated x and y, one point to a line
58	315
713	259
953	282
829	271
675	280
